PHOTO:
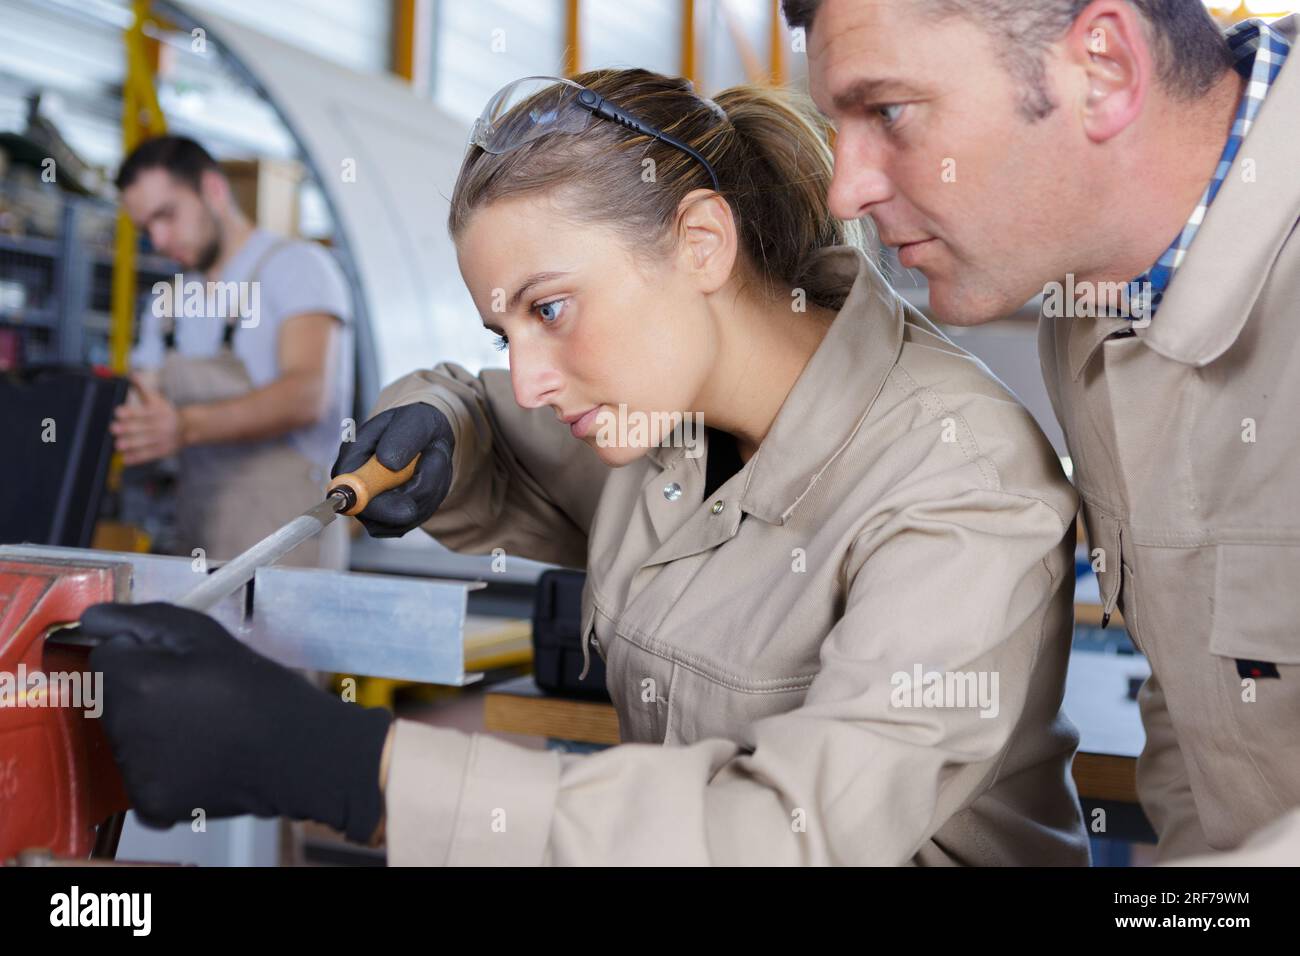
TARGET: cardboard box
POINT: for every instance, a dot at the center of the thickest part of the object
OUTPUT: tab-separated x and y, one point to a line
267	192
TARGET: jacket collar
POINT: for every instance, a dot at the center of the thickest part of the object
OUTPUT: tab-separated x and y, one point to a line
1226	267
1085	335
833	394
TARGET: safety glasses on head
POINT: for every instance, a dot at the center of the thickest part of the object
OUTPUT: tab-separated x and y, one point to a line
535	106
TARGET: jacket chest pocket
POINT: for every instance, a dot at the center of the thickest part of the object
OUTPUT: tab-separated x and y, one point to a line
640	685
700	707
1256	602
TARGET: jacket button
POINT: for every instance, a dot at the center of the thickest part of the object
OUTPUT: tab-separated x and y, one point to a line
672	491
717	507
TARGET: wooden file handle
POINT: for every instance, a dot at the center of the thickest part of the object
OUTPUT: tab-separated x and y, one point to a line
369	480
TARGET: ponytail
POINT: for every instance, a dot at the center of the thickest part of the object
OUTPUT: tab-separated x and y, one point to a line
777	177
769	148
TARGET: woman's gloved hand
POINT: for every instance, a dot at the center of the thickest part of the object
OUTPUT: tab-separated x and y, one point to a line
397	435
199	720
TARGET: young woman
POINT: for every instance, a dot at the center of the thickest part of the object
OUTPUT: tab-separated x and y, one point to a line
835	621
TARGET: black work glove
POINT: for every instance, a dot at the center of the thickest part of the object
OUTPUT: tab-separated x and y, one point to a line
396	436
199	720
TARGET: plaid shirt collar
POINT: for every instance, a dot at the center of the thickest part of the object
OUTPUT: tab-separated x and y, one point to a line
1259	53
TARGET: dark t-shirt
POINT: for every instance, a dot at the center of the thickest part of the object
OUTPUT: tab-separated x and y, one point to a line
723	461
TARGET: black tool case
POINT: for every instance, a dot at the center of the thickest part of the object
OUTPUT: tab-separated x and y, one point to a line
54	431
557	641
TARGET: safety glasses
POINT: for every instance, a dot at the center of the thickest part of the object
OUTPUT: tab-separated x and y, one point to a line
536	106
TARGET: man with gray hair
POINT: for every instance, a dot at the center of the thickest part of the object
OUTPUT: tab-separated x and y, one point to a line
1006	147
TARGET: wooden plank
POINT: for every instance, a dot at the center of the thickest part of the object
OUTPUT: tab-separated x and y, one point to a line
519	707
1105	777
1090	615
586	721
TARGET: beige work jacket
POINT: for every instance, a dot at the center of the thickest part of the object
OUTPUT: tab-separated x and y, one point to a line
1185	439
852	652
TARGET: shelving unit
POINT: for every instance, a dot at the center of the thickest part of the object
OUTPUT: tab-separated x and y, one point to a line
55	291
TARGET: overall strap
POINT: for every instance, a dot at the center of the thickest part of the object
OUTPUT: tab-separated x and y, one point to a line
232	321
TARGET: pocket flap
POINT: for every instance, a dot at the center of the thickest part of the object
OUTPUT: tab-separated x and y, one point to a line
1104	534
1257	602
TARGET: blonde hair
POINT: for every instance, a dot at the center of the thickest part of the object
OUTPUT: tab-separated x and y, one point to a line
770	152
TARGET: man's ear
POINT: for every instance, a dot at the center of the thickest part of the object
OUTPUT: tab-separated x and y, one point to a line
707	243
1108	43
214	189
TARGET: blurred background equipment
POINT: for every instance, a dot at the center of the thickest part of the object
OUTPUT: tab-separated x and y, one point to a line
54	424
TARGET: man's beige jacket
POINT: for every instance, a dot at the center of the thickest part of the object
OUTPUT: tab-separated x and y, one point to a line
1185	439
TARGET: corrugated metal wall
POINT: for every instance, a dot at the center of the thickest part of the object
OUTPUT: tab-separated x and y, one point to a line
482	46
71	50
355	33
623	33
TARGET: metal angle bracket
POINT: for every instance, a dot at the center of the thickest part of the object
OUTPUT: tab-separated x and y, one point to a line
371	625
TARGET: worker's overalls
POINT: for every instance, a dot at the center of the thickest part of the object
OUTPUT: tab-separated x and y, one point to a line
232	495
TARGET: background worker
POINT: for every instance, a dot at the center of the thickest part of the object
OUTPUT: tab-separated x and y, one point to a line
250	394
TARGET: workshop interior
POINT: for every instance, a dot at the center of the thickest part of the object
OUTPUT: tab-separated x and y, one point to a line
331	135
